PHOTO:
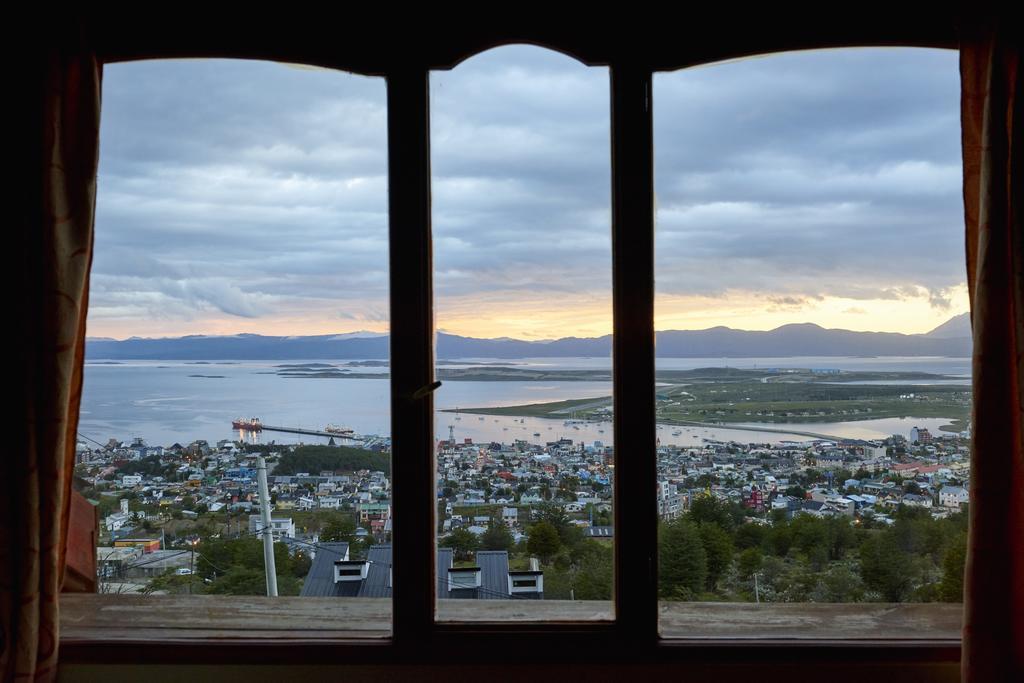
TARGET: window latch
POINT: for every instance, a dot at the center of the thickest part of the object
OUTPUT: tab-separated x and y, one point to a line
426	389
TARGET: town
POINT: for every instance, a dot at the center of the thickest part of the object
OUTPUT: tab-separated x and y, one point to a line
817	520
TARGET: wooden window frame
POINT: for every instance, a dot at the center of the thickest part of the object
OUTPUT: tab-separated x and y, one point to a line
405	61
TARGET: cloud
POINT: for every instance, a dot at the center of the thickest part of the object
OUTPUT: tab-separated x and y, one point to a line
941	299
369	315
259	190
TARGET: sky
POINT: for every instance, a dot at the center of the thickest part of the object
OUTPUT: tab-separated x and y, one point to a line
251	197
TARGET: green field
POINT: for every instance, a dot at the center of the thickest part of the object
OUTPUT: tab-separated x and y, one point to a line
727	395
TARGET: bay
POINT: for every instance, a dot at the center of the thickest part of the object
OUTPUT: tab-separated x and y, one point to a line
165	402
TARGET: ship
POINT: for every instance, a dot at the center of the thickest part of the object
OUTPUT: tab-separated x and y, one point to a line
335	429
251	424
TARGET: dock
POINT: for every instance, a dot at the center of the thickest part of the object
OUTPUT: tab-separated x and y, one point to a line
256	426
312	432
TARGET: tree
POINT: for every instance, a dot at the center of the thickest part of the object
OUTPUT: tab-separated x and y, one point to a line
332	458
240	581
497	537
749	561
593	579
796	492
544	541
462	542
170	582
681	559
338	527
721	512
568	533
718	551
951	589
838	584
886	568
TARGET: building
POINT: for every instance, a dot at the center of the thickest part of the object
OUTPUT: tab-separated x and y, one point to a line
333	574
953	497
282	527
920	435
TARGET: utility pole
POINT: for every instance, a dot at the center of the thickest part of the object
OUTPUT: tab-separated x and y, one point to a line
268	531
757	594
191	564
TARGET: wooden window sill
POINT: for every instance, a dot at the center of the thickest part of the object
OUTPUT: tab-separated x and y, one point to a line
89	618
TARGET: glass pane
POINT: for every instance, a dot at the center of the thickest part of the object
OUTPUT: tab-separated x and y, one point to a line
522	253
239	316
813	366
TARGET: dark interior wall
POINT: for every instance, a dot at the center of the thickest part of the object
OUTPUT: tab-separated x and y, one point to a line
440	41
592	673
374	45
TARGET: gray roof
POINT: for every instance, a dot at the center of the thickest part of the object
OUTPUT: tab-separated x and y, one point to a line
378	575
493	574
444	561
319	582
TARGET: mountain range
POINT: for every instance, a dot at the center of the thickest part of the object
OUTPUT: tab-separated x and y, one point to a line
952	338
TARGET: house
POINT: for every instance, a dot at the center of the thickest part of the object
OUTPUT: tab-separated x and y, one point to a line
333	574
160	562
373	510
953	496
113	561
146	545
598	532
916	500
509	515
490	579
281	526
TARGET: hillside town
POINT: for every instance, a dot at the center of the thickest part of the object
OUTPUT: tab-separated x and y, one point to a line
172	517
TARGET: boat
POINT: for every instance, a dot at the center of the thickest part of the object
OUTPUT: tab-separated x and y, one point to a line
335	429
251	424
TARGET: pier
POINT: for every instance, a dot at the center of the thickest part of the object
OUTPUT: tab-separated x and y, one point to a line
312	432
257	426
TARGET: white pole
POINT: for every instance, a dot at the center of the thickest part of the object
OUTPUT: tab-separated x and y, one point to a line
757	595
268	531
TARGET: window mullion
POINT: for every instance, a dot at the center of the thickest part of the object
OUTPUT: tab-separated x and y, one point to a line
412	355
633	353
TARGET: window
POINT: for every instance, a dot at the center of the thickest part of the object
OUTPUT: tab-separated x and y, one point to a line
413	379
241	270
813	327
522	268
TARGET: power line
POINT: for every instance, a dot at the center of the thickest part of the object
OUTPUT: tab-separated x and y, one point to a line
320	547
87	438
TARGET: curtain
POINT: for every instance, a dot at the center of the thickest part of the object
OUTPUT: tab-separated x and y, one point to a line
993	154
56	97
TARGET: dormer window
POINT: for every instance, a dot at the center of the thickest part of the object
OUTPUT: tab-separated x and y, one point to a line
350	570
526	584
462	578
